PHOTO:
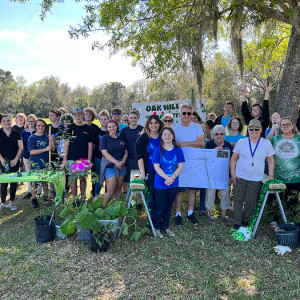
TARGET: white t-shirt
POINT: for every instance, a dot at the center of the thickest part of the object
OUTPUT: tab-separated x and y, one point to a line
188	134
248	167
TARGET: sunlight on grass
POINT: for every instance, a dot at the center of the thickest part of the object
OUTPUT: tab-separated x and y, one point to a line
247	283
4	219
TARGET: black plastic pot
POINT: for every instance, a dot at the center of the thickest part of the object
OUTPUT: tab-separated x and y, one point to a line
44	232
95	247
289	236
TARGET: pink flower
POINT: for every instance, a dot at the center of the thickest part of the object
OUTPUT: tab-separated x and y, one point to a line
80	165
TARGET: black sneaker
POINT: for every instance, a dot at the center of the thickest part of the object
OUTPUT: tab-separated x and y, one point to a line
27	196
178	221
192	219
35	204
245	224
236	227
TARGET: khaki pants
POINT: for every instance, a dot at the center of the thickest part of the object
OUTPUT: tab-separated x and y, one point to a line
245	191
211	197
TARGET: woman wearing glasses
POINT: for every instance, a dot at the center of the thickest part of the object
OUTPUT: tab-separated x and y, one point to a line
168	120
287	158
234	129
247	171
25	134
218	143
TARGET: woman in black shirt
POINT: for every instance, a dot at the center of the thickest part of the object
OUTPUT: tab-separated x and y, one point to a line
114	150
11	148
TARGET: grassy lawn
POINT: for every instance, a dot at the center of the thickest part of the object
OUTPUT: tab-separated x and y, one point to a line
201	262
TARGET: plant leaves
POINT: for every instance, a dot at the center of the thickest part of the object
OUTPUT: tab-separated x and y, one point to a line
136	235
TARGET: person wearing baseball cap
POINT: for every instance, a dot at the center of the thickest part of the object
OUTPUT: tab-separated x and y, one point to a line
78	146
247	171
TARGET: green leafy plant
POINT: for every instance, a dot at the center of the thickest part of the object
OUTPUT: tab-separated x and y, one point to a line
89	214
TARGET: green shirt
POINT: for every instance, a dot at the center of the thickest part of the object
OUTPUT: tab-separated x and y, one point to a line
287	158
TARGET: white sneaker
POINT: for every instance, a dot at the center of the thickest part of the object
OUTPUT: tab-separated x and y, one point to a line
169	232
12	206
2	206
159	234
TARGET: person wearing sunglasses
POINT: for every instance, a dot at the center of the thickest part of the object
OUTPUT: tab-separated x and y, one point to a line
116	114
218	143
125	119
190	138
287	159
168	120
247	171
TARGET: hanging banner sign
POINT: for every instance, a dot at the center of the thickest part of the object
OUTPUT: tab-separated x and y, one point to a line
166	107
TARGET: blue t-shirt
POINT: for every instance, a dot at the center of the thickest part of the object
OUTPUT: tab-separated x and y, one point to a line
153	143
121	126
38	142
234	138
168	161
224	121
25	134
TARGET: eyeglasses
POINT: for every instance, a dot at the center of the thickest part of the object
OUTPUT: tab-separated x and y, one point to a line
253	129
31	121
217	134
286	125
168	121
235	123
117	114
186	113
125	120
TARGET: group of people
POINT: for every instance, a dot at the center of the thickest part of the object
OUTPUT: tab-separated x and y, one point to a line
159	151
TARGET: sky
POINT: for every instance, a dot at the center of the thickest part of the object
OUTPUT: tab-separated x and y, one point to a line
35	49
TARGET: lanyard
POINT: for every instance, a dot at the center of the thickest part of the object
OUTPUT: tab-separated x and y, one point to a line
252	153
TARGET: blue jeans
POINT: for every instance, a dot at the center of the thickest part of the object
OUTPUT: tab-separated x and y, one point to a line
98	166
151	198
163	207
202	199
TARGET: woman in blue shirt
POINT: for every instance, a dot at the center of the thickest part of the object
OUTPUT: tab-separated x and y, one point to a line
144	148
234	129
168	161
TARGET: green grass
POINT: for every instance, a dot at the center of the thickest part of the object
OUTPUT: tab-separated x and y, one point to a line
201	262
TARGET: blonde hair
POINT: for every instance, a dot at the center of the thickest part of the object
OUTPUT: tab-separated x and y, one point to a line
21	115
32	116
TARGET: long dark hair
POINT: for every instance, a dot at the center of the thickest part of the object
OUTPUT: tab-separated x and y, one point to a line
174	142
157	119
241	127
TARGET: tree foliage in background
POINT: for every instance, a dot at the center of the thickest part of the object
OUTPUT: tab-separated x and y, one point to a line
166	35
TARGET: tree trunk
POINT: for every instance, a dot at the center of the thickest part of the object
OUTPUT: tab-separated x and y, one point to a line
288	97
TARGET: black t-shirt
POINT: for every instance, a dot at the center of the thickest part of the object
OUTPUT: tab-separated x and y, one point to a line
130	136
19	129
80	137
9	144
115	147
98	134
55	132
94	128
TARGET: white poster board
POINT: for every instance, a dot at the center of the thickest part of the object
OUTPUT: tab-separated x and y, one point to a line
166	107
208	169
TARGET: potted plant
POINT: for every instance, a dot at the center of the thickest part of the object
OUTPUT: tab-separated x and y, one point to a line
44	227
102	221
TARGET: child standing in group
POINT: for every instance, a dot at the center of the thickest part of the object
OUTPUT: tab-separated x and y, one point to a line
168	161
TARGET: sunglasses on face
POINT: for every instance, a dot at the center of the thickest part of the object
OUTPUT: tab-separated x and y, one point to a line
168	121
117	114
217	134
187	113
253	129
286	125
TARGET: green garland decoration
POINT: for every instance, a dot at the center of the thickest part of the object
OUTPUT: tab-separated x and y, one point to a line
239	236
141	181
